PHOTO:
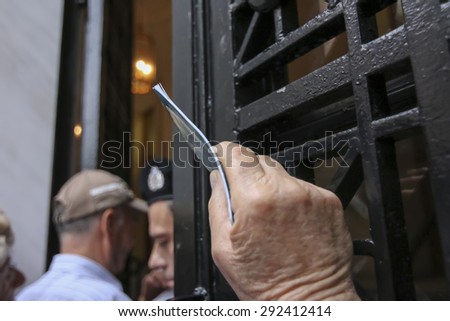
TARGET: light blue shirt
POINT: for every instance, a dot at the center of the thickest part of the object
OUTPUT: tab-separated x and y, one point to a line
74	277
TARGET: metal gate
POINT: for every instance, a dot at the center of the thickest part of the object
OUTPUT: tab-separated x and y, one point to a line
369	121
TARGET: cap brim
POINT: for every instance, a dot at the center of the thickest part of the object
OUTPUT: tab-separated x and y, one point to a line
138	205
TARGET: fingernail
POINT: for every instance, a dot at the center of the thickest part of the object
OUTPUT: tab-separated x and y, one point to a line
213	179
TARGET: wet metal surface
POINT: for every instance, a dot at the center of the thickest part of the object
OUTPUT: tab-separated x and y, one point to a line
384	88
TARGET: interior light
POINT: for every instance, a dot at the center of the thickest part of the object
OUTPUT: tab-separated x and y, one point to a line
144	67
77	130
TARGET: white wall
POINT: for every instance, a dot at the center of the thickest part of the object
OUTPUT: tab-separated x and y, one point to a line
30	33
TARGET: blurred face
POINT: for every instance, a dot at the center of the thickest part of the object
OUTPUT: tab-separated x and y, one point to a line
10	279
123	232
160	219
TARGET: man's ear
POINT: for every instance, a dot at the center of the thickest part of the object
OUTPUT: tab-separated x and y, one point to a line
105	236
107	221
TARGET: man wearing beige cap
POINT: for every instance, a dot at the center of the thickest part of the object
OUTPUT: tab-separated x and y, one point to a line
10	277
94	213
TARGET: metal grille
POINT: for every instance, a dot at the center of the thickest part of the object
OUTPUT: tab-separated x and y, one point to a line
366	99
371	123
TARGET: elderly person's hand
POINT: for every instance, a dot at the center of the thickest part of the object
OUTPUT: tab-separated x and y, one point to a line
289	240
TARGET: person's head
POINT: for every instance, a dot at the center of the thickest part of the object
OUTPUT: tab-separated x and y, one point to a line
10	277
156	186
94	212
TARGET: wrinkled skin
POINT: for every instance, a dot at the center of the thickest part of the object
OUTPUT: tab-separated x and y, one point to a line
289	240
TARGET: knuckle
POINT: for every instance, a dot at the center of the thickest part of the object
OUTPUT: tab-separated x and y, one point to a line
261	199
332	199
298	194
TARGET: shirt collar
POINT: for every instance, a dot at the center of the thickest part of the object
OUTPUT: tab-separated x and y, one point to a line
83	266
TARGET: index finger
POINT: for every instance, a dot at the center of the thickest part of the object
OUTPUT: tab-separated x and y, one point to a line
241	164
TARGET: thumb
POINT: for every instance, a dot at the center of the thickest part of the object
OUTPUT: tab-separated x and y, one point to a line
218	215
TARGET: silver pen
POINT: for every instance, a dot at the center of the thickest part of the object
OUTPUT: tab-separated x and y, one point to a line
196	140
